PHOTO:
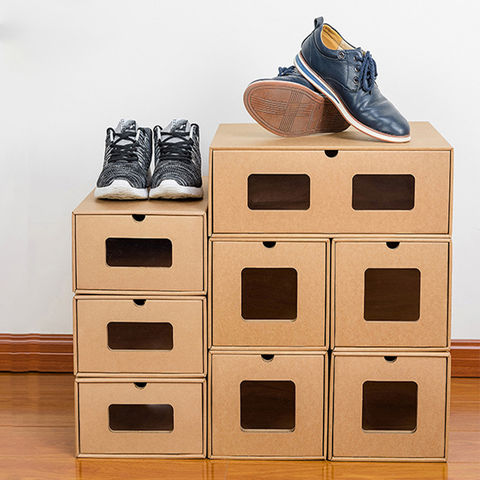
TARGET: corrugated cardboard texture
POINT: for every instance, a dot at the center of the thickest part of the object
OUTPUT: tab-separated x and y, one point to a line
351	259
308	258
185	315
331	194
350	371
228	438
96	437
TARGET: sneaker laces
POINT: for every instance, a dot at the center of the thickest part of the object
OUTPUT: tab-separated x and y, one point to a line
181	149
282	71
368	72
122	146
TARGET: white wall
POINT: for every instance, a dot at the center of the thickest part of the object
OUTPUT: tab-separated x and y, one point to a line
69	69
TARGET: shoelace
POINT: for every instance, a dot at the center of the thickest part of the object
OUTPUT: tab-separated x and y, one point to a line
285	70
125	151
175	150
368	72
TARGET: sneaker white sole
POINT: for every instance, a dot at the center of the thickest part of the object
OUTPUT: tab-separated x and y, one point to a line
121	190
322	86
172	190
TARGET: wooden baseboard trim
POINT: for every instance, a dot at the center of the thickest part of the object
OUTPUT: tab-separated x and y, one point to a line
465	358
35	352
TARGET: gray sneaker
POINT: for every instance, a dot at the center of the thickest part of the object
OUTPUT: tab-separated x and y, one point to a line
178	164
128	153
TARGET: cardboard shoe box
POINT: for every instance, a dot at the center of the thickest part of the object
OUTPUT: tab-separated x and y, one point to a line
390	292
139	246
329	184
150	336
269	292
267	404
389	406
131	417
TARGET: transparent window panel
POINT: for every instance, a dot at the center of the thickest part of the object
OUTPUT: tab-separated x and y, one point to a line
138	252
269	293
390	406
383	192
140	336
149	417
392	294
267	405
278	192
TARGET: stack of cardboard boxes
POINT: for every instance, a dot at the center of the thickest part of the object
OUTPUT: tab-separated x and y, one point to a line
139	276
335	243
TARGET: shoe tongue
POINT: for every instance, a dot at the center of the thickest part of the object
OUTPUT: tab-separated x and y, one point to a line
126	125
178	125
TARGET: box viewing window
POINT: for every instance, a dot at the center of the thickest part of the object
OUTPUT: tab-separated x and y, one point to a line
392	294
138	252
269	293
390	406
278	192
383	192
140	335
267	405
153	417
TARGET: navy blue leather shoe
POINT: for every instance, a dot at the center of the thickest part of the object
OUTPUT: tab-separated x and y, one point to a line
346	75
288	105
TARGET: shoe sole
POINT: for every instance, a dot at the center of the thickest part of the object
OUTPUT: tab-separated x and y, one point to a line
121	190
322	86
291	110
170	189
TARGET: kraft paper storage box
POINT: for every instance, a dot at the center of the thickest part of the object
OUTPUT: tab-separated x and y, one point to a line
149	336
266	404
139	246
389	406
269	291
329	184
140	417
390	292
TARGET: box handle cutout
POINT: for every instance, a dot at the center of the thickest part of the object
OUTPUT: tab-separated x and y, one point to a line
138	218
393	245
331	153
139	301
140	384
269	244
390	358
267	357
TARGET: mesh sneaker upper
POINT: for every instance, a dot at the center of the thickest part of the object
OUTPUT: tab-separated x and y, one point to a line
177	154
128	152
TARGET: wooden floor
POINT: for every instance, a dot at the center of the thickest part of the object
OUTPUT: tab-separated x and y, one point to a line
37	442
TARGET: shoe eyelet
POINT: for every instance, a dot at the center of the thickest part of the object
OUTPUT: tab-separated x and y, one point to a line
341	55
355	80
357	68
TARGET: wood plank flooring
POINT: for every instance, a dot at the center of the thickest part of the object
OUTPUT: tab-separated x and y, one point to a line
37	442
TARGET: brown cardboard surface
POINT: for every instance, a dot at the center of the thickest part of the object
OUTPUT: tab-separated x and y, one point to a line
187	272
228	439
310	259
252	136
185	314
330	210
350	260
350	370
187	398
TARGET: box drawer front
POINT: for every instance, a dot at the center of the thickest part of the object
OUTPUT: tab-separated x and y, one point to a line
268	405
390	294
351	192
389	406
269	293
146	418
140	336
157	253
